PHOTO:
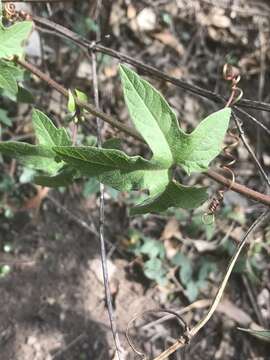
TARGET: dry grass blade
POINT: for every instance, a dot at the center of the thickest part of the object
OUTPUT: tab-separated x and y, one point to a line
180	342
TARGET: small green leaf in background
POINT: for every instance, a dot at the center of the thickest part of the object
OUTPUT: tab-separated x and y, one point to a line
113	193
25	96
27	175
91	24
185	265
81	95
4	119
6	183
90	187
4	270
153	248
196	227
154	270
9	76
13	37
260	334
192	291
71	105
193	281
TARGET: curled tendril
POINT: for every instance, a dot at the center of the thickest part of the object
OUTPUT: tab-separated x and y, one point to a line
232	74
182	323
10	10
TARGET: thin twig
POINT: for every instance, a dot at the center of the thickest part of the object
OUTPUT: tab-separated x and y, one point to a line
249	149
69	346
87	106
101	212
241	189
180	343
62	31
92	229
253	302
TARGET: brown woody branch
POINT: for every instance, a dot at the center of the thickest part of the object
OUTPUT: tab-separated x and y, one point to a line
241	189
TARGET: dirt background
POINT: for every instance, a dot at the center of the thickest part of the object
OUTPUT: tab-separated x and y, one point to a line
52	303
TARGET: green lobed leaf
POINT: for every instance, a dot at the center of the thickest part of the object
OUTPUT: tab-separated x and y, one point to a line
153	248
192	290
12	38
174	195
38	157
47	133
186	270
195	151
154	270
154	119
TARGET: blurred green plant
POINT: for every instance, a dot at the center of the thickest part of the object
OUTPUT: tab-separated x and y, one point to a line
157	267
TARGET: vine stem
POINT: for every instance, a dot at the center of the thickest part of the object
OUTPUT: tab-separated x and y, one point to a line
241	189
180	342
